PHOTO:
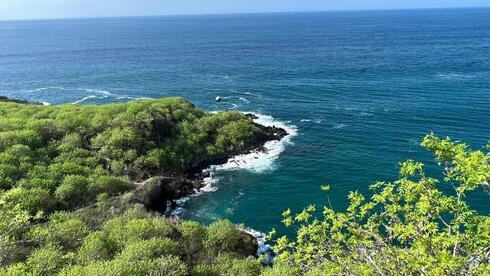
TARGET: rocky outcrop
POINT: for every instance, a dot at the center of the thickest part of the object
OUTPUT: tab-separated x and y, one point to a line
8	100
194	168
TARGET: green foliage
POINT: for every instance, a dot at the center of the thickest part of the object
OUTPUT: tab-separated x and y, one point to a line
34	201
222	236
109	185
132	244
169	265
205	270
64	231
96	247
192	235
63	157
46	261
122	230
407	227
74	189
227	266
245	267
149	249
12	222
192	230
281	269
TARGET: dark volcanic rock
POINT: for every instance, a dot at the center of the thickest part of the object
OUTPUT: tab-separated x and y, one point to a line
251	116
273	133
155	193
8	100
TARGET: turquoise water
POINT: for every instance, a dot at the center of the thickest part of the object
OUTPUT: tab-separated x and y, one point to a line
362	88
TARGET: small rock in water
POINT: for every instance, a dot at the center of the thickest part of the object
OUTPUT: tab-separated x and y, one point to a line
251	116
218	99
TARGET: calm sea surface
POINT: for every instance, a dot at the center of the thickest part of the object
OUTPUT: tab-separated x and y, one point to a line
362	88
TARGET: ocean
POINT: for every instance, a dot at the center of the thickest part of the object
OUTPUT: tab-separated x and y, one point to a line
357	90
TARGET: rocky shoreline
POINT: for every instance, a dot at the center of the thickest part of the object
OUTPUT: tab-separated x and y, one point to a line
160	194
163	190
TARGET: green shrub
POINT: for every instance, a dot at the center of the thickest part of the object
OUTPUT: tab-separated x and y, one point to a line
110	185
96	247
74	190
122	229
58	171
71	142
281	270
205	270
46	261
33	200
63	230
149	249
169	265
227	266
193	233
19	269
246	267
222	236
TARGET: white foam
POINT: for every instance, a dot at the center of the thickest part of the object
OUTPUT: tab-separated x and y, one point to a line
364	114
210	184
234	105
454	76
316	121
260	161
45	103
263	247
104	93
84	99
243	99
44	88
338	126
92	94
177	211
182	201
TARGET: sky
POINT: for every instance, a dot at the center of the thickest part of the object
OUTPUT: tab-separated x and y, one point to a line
37	9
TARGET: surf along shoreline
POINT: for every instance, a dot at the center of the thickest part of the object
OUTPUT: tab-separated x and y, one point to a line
171	193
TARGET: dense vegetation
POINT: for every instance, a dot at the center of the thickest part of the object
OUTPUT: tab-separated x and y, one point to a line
63	157
135	243
56	161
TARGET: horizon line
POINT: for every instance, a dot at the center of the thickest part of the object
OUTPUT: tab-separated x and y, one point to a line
240	13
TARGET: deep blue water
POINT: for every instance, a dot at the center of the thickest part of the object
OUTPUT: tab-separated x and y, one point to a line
371	84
